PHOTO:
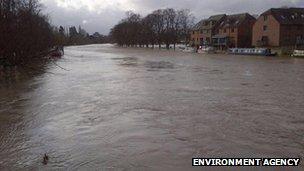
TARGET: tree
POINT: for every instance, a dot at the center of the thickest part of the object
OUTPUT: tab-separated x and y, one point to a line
24	30
168	26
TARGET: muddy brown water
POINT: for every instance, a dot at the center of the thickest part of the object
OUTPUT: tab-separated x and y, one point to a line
114	108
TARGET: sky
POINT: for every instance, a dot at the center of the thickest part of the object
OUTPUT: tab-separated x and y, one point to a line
101	15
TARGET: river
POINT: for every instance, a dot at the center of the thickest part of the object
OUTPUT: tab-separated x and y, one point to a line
112	108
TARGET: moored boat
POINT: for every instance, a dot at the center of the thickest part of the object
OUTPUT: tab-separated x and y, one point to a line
57	52
189	49
298	53
251	51
206	49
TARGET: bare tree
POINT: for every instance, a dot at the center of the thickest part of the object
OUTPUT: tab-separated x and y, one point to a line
163	26
24	31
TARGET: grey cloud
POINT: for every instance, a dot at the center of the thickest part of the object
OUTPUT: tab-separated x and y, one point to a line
204	8
102	20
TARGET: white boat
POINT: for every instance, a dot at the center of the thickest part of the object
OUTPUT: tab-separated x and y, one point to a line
189	49
251	51
298	53
206	49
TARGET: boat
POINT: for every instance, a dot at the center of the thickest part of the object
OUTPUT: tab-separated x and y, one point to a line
251	51
298	53
206	49
56	52
189	49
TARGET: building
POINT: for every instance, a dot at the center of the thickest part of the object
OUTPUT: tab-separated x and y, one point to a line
279	27
203	31
234	31
195	34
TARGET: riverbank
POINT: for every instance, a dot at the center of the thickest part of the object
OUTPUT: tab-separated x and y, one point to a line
280	52
12	71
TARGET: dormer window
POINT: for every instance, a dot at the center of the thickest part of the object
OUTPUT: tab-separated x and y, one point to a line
292	16
265	17
283	17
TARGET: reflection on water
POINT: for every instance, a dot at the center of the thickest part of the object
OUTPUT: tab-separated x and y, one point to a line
127	61
159	65
116	108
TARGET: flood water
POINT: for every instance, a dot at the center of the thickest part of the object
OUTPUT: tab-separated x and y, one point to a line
109	108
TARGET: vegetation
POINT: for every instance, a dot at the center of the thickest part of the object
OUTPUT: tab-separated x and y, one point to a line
26	33
163	26
70	36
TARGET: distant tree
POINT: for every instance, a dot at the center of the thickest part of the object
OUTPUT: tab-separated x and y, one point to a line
96	35
148	23
73	31
168	26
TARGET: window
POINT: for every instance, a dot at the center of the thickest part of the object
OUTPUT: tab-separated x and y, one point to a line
264	28
232	30
300	40
201	31
265	17
193	32
264	41
264	38
224	30
208	39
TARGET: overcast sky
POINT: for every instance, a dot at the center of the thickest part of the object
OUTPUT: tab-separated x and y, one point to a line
101	15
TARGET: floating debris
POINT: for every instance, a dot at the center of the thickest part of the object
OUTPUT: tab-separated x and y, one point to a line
45	159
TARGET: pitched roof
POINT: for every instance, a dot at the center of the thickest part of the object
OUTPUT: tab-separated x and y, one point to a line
217	17
199	24
236	20
204	23
287	15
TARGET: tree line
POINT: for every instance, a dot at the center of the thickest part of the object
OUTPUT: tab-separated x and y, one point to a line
162	26
72	36
26	33
24	30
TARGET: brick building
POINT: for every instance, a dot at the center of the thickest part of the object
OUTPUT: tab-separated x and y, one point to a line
196	34
279	27
235	31
204	30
